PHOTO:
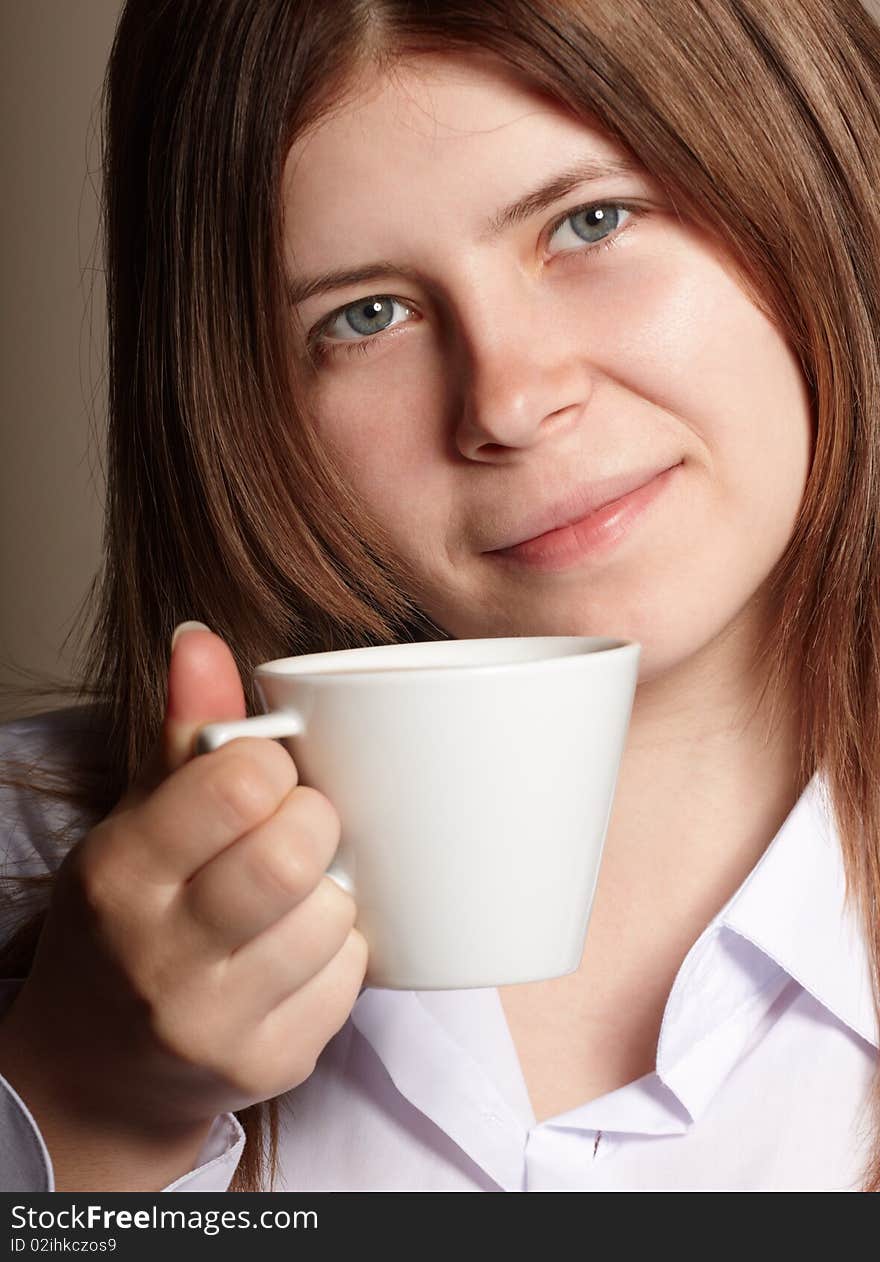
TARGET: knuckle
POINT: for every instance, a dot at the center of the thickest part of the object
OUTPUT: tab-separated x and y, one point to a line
241	790
269	755
205	912
89	867
281	762
288	870
321	814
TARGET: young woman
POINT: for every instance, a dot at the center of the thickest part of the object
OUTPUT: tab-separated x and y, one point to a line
387	285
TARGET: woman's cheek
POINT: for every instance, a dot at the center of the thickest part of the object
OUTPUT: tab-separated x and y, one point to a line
362	391
652	323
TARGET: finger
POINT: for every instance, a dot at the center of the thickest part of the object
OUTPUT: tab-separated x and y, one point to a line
281	959
203	685
321	1006
265	874
204	807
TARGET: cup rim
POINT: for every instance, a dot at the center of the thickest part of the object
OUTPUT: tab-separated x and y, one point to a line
603	647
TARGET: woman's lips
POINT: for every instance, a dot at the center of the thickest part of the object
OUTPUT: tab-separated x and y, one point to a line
598	532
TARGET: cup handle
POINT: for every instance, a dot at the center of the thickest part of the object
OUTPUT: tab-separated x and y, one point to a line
277	724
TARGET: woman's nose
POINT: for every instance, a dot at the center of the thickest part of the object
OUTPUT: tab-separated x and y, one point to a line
517	386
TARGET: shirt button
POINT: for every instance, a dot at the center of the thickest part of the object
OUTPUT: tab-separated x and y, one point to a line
493	1119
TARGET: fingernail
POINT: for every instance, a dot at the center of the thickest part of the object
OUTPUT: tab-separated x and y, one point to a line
187	626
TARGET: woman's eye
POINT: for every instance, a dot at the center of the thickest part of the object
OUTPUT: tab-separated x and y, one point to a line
358	327
591	225
354	327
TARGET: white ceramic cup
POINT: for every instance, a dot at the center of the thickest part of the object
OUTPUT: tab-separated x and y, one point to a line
474	780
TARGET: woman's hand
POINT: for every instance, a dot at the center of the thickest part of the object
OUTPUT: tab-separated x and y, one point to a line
195	958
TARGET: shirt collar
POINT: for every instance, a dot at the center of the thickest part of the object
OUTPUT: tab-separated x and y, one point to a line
786	923
441	1073
791	907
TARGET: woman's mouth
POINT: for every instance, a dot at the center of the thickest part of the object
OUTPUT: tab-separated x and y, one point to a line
595	534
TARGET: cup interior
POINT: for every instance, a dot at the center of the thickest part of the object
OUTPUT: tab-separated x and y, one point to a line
428	655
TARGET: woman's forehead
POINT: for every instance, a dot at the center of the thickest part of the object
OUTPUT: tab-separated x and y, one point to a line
441	104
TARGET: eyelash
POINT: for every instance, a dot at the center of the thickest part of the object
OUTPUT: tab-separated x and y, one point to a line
322	350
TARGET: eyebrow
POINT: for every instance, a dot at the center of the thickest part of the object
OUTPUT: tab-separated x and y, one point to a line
584	171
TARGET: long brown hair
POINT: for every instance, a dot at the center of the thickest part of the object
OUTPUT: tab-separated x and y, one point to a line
762	122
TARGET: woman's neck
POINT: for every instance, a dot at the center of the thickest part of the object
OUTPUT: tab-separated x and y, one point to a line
704	785
700	795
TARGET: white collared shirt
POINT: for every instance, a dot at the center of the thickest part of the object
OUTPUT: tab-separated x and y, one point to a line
766	1053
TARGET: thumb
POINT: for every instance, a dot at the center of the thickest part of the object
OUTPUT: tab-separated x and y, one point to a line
204	686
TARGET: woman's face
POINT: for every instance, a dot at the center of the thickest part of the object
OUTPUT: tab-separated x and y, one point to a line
487	376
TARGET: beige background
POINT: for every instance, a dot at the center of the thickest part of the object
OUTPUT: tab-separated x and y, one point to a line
53	55
52	59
